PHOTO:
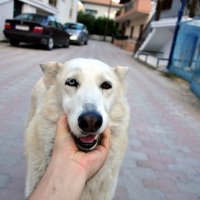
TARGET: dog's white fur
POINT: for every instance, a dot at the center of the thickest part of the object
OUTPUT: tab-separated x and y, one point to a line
52	98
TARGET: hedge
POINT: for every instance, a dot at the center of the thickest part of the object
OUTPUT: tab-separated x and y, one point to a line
98	25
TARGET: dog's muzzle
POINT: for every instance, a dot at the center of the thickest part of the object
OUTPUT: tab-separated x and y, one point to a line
89	123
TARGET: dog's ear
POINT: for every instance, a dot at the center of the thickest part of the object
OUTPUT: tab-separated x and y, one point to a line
50	70
121	71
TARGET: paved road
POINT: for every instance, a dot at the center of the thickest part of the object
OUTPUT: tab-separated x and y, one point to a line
163	157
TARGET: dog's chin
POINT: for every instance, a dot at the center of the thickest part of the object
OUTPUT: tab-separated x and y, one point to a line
87	142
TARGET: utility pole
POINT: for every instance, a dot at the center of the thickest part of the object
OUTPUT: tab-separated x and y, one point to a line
180	15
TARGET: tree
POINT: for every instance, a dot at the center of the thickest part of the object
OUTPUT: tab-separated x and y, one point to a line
87	19
97	25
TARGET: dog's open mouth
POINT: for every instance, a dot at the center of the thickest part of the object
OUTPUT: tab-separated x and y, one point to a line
87	143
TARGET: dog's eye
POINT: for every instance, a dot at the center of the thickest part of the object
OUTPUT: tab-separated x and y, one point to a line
106	85
71	82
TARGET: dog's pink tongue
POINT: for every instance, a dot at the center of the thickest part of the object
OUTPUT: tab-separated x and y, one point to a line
88	139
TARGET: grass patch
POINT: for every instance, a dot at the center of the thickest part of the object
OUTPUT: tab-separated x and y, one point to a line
169	75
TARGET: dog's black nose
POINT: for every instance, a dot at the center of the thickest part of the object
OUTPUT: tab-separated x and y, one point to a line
90	121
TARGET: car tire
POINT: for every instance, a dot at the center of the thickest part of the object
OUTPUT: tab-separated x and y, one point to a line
81	42
14	43
50	43
66	45
86	42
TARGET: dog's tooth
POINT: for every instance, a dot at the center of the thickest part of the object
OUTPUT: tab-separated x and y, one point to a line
96	137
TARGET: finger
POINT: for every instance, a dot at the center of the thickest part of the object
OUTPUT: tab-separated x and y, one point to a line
97	157
62	131
62	127
105	140
64	141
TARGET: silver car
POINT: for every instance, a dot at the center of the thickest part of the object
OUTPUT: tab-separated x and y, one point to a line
78	33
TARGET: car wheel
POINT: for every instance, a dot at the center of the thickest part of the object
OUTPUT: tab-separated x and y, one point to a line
66	43
86	42
50	43
14	43
81	42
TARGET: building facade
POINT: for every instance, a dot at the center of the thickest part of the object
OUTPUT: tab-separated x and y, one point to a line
64	10
155	45
101	8
132	18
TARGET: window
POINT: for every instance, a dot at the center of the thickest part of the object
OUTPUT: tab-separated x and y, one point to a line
17	8
132	31
74	26
141	29
165	4
33	17
128	23
59	26
90	11
129	6
53	2
52	24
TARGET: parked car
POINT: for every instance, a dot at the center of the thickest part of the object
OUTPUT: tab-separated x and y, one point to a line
35	28
78	33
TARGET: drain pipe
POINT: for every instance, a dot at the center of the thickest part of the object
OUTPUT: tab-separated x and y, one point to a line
180	15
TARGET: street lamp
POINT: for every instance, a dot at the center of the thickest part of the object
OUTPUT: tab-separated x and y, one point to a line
108	17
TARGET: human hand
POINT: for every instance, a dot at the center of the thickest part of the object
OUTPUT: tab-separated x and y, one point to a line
65	148
70	168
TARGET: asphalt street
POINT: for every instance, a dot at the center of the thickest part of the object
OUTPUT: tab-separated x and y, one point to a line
163	157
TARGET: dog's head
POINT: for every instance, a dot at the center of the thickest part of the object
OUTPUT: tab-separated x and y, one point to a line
87	89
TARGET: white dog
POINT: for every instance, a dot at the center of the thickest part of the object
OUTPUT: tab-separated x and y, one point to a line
92	95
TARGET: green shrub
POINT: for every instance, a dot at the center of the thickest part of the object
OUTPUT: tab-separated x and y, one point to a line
87	19
98	25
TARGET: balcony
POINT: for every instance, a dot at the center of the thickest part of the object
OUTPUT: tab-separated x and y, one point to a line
134	9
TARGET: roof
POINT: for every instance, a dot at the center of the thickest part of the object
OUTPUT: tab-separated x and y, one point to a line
101	2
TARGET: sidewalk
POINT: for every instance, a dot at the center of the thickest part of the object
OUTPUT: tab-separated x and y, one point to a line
163	156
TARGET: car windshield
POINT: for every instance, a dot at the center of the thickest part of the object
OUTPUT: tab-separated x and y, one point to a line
73	26
32	17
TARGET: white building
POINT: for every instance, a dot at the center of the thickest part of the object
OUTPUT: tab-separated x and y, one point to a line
156	47
65	10
132	18
101	8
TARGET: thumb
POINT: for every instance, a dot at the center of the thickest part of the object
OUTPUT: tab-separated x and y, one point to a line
63	136
62	127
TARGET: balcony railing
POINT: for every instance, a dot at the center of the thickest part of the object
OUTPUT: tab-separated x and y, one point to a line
143	35
134	8
129	6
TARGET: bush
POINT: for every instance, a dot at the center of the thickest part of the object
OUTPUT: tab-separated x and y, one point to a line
87	19
98	25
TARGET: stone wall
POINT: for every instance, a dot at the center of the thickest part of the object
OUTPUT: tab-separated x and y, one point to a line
128	45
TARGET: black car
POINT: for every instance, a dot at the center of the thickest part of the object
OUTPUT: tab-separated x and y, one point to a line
36	28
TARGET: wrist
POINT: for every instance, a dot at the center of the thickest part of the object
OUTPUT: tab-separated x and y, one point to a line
70	164
70	181
63	178
69	175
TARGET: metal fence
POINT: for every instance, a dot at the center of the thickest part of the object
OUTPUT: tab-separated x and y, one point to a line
186	57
